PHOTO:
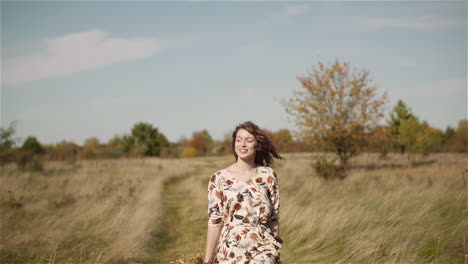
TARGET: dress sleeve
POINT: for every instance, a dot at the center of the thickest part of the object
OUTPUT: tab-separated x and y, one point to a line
215	203
274	197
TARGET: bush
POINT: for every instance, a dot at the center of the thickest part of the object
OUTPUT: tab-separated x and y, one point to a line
26	160
188	152
327	170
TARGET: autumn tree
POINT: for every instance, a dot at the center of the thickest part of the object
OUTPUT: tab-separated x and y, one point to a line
379	140
337	106
460	143
91	148
400	113
283	140
201	141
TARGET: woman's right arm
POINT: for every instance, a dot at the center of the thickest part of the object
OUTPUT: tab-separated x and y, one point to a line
212	236
215	216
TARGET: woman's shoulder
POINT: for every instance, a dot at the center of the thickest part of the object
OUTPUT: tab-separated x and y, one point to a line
265	170
216	175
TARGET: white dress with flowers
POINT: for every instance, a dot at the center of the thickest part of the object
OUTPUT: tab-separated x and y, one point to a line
244	209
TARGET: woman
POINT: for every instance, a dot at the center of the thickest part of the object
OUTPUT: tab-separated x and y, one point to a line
243	203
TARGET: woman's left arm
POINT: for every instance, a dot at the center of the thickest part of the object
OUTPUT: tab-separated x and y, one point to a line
273	222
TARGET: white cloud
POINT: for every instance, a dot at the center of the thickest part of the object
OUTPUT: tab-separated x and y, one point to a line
418	23
74	53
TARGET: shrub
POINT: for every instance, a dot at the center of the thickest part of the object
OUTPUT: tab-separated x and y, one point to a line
328	170
26	160
188	152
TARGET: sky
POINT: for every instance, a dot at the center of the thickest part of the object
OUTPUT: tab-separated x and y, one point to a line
75	70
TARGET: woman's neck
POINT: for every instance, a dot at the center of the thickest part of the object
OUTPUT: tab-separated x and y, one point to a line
245	165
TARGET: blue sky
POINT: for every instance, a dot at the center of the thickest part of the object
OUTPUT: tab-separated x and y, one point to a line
74	70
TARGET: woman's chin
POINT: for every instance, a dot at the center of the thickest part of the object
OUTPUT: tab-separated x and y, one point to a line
246	157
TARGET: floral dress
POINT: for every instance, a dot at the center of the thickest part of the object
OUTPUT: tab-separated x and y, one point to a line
244	209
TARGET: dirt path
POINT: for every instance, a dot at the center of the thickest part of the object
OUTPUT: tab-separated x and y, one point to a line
176	234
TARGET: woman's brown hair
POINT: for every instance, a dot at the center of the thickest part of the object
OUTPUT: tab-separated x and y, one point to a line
265	152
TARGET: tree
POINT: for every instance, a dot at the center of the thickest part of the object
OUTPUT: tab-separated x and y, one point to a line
145	139
337	107
448	137
461	137
7	142
201	141
31	144
91	148
6	137
400	113
283	140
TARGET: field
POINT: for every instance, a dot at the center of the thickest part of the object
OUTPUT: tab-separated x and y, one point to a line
155	211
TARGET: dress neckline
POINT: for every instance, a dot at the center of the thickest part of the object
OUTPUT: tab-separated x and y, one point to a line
246	182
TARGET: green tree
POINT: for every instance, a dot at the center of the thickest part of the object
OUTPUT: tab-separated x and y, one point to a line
337	107
7	140
32	145
400	113
147	138
448	137
409	131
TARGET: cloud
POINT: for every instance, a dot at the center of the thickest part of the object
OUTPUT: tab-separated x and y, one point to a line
76	52
418	22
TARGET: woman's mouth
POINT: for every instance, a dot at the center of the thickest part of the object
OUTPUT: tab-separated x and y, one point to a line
243	151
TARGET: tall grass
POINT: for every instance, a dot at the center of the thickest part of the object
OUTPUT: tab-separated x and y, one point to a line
155	211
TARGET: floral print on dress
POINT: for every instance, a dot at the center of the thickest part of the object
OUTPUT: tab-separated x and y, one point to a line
244	209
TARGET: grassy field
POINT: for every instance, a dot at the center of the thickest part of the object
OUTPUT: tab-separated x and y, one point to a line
155	211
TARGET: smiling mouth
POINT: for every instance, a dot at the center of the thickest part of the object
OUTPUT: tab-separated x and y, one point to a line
243	150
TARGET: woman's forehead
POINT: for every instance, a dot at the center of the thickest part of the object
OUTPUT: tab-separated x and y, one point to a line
244	133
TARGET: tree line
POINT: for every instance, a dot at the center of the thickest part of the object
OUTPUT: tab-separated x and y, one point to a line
338	110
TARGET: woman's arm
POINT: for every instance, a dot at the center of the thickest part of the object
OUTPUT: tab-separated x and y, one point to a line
273	222
274	226
215	216
212	236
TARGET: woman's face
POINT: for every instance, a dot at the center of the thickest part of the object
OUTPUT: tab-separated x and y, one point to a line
245	145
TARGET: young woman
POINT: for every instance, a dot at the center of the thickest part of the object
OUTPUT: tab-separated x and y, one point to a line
243	203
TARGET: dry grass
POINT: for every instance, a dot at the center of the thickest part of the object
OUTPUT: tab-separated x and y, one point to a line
121	211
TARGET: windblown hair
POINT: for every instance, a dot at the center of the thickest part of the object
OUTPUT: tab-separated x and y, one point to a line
265	151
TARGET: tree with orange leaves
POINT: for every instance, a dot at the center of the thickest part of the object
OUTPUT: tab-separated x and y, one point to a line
337	107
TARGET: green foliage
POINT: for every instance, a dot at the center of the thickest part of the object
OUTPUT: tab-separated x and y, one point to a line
6	137
400	113
32	145
409	131
7	142
328	170
145	140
